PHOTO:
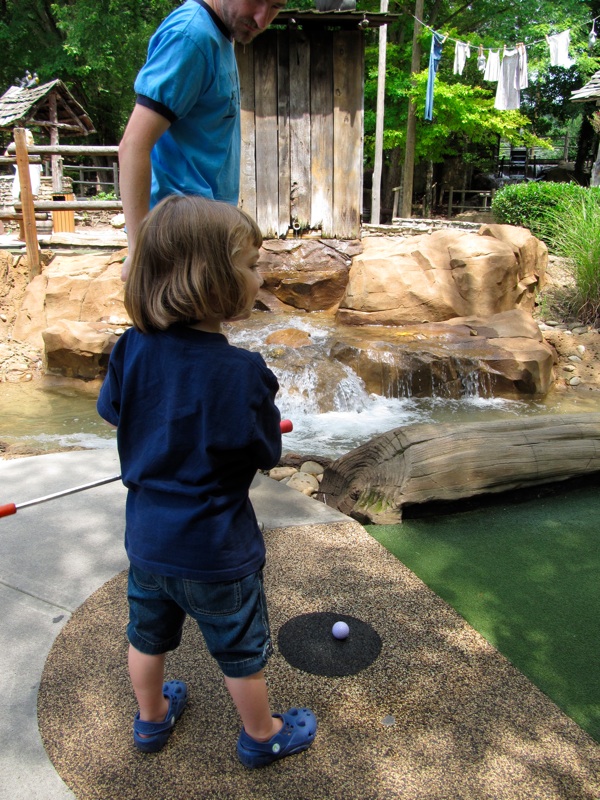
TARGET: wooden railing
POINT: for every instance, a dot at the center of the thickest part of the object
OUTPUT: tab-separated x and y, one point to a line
28	206
481	200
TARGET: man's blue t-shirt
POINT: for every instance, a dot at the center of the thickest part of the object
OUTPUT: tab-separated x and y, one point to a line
191	78
196	419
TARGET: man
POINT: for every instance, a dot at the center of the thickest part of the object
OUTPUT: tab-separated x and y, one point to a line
183	136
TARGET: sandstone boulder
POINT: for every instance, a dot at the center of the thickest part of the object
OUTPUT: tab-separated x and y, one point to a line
289	337
78	349
446	274
503	355
306	274
76	288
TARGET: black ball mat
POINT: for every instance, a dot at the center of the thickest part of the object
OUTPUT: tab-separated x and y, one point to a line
306	642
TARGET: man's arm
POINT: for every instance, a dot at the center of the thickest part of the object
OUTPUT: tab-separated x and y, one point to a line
144	129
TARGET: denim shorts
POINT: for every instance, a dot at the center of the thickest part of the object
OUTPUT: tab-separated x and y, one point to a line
232	617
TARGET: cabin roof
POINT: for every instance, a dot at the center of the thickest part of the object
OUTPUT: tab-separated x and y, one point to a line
589	92
30	107
340	19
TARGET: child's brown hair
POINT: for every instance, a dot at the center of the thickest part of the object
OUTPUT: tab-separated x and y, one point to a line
182	268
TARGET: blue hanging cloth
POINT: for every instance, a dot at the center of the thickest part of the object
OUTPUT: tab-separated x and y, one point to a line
437	40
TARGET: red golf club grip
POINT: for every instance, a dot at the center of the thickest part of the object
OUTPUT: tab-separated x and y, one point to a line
8	509
286	426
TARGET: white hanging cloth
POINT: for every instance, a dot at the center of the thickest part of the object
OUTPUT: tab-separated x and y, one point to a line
492	68
559	49
462	51
481	59
508	94
522	79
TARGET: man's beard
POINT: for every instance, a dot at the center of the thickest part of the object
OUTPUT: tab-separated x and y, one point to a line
241	29
242	34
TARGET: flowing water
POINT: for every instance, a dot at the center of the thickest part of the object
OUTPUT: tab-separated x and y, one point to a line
328	403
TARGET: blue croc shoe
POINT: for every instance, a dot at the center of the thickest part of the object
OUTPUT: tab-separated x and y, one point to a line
297	734
150	737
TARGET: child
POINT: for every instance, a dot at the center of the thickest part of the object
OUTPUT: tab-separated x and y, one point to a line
195	419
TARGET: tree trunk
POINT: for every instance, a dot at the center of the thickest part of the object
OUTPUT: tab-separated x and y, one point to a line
428	462
411	125
584	145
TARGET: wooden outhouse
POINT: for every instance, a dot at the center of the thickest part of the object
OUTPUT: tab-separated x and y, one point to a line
302	97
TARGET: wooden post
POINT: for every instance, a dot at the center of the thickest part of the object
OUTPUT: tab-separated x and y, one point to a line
116	188
378	164
31	242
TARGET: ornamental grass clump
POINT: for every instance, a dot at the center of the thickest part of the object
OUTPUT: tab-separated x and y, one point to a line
572	231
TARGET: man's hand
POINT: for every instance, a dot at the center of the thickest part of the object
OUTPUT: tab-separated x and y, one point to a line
125	267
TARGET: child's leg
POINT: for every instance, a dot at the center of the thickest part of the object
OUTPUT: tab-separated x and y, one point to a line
252	702
147	676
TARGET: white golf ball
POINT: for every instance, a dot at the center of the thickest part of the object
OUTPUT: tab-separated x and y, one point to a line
340	630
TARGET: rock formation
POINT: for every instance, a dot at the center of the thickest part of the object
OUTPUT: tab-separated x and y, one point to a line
309	274
74	312
458	302
503	355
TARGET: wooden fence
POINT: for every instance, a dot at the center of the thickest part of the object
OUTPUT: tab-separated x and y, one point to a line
28	207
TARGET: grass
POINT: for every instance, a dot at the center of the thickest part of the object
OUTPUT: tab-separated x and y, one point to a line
526	577
573	232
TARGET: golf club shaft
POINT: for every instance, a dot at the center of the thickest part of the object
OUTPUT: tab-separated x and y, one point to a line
11	508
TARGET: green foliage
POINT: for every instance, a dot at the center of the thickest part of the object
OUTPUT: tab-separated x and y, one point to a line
573	232
530	205
465	122
465	113
95	47
567	217
105	196
105	43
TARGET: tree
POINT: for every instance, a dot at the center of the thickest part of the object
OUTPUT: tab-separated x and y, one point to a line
95	47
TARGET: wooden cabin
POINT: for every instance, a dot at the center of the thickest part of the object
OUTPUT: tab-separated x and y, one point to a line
302	97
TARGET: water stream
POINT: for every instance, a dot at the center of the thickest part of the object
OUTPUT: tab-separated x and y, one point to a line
331	409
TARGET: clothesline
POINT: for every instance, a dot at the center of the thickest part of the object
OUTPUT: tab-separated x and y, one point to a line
510	71
478	46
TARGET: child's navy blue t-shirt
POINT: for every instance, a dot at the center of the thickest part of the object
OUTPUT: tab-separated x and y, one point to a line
195	417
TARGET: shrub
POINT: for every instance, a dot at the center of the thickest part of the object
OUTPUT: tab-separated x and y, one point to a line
530	205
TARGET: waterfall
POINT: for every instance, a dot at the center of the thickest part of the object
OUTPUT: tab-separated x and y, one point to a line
348	385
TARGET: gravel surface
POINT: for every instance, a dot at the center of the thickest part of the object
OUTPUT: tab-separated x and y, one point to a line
439	714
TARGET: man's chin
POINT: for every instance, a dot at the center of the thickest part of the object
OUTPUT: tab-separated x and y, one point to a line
245	36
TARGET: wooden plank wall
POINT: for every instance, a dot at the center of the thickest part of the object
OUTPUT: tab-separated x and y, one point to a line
302	131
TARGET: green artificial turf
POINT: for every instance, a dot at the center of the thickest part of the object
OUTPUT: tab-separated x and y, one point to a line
526	576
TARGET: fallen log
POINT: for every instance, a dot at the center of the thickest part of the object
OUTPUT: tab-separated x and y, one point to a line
450	461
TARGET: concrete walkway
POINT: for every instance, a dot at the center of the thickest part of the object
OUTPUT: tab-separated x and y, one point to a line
53	557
